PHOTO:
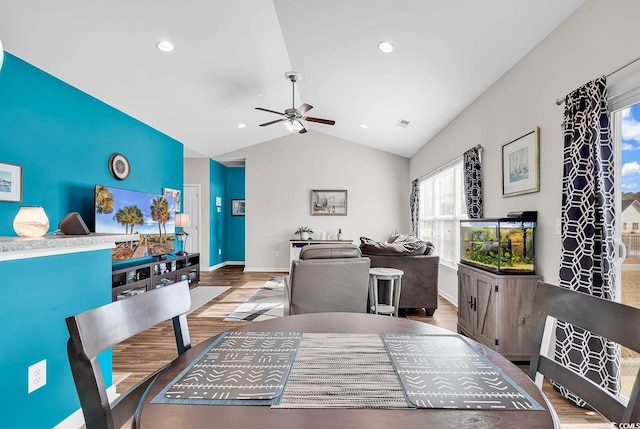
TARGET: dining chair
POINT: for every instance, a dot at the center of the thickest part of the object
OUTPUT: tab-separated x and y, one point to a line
99	329
611	320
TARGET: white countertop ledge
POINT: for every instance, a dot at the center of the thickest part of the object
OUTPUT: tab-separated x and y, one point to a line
12	248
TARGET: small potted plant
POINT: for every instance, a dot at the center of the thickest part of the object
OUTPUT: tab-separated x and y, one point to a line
304	232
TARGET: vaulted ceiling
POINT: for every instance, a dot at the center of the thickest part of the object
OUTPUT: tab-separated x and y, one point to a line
231	56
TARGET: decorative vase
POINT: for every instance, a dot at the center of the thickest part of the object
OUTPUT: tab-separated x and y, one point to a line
304	236
31	222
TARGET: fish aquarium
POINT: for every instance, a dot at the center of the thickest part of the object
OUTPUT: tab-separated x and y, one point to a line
503	246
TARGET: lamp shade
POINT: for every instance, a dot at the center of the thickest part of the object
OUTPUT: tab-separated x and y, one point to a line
292	125
31	222
182	220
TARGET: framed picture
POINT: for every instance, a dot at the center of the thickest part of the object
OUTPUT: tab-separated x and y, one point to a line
10	182
521	165
168	192
237	207
328	202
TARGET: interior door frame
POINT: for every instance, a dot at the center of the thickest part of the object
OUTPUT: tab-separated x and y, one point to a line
198	208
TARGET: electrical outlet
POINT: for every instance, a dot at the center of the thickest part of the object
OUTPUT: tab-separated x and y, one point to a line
37	376
276	254
219	251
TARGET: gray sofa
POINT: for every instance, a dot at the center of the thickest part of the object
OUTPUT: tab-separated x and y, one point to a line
419	263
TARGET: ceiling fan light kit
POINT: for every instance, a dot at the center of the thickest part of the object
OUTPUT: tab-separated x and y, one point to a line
293	117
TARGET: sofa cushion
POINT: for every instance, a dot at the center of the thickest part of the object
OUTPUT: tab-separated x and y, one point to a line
404	238
372	247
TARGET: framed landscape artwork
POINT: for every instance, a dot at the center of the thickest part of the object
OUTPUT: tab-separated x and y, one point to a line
328	202
521	165
10	182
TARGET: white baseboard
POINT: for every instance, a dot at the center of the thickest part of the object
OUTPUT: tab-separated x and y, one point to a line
76	419
223	264
449	298
265	270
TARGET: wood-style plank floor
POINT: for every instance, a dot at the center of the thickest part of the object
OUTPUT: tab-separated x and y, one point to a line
142	354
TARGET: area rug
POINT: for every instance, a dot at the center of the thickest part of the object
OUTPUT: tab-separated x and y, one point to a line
200	295
266	303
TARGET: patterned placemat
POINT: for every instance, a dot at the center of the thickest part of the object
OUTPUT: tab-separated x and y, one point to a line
239	368
444	371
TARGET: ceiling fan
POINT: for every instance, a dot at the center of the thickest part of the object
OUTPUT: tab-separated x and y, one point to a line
293	117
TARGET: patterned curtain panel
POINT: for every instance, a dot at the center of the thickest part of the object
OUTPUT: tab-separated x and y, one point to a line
473	183
588	231
415	205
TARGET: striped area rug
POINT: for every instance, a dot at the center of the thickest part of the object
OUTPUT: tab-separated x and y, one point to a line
266	303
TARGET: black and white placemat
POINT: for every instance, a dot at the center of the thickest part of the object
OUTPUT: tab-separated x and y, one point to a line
444	371
239	368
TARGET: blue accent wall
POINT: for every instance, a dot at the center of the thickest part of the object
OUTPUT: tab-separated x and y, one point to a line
234	225
38	294
63	139
227	233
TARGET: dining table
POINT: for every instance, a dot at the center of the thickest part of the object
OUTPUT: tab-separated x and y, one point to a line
158	410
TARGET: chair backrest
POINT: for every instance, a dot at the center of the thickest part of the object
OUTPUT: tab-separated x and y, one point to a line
328	278
99	329
616	322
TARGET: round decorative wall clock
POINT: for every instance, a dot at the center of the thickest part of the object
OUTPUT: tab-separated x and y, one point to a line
119	166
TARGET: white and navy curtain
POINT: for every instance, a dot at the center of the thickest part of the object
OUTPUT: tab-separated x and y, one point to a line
473	182
588	231
415	206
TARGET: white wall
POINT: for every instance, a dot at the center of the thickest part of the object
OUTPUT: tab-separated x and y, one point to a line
196	171
280	175
595	40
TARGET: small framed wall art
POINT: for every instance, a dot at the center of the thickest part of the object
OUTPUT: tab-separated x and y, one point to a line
10	182
237	207
174	193
329	202
521	165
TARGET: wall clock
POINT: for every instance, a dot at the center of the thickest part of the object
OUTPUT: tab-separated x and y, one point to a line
119	166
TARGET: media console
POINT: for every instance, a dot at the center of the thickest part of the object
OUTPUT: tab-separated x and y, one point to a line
128	279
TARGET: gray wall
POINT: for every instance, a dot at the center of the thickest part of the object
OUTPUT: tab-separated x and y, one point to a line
596	39
280	175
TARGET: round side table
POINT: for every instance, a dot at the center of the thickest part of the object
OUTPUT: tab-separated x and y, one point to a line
395	285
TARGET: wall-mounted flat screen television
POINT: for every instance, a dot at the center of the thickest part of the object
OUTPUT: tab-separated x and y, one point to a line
151	216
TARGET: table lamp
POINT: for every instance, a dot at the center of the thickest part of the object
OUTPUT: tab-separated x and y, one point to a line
182	220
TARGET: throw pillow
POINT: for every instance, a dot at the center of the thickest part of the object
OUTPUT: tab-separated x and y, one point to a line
401	238
372	247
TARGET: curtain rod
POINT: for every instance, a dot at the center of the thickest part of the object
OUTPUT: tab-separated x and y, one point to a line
560	101
446	164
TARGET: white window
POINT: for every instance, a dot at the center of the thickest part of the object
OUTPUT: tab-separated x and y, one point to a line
442	206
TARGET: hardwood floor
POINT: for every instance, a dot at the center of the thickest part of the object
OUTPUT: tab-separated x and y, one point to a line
142	354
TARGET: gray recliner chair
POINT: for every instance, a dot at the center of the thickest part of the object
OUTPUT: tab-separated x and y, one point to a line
327	277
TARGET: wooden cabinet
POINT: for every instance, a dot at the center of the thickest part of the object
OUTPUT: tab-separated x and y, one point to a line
496	310
133	278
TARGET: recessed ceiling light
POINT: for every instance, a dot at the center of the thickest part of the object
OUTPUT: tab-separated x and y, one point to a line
364	126
241	125
165	46
385	47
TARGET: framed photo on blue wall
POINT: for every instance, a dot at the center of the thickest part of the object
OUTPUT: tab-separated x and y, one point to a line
237	207
10	182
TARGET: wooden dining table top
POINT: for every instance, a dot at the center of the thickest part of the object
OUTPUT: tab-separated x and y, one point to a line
187	416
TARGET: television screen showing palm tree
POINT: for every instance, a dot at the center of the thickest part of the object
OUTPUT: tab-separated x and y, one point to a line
150	216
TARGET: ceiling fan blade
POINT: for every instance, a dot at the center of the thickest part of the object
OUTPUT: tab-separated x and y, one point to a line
303	130
319	120
304	108
267	110
273	122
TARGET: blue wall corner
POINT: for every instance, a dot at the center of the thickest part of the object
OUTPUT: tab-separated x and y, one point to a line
227	232
234	239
